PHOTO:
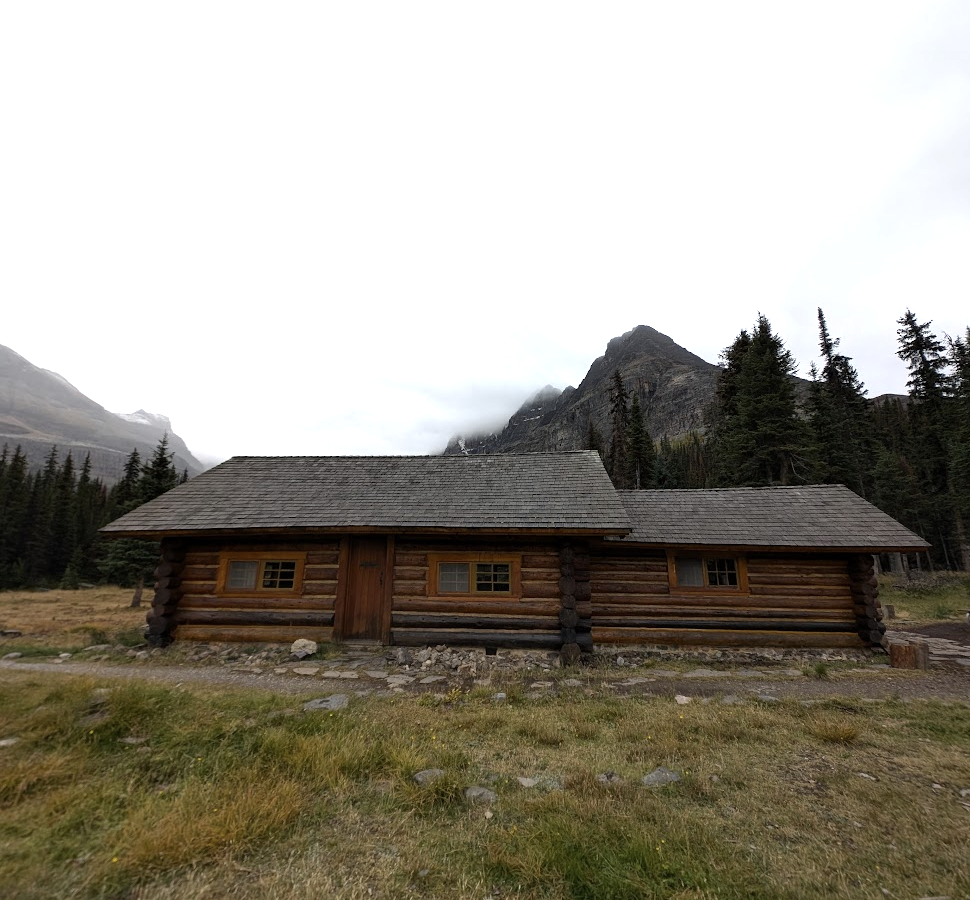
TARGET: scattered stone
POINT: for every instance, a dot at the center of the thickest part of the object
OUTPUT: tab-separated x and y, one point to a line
660	776
8	742
63	655
609	778
307	670
682	700
431	679
395	680
322	704
541	684
132	740
706	673
302	648
142	654
572	682
767	698
731	700
965	792
477	794
10	632
14	655
500	697
349	676
867	776
527	782
96	648
427	776
663	673
375	673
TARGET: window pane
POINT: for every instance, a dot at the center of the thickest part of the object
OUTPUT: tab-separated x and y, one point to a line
279	575
453	578
493	577
722	572
690	571
242	575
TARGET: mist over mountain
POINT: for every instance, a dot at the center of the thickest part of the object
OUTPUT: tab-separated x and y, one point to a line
40	409
674	386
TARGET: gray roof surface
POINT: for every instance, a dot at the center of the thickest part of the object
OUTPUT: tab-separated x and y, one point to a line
814	516
502	492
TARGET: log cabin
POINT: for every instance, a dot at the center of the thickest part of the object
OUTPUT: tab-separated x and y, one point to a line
533	550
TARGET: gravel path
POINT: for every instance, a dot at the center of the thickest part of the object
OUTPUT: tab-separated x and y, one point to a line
943	682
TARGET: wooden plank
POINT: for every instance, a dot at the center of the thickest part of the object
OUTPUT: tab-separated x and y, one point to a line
250	634
192	601
448	605
260	617
321	557
540	561
200	573
739	624
629	612
632	587
320	588
320	573
410	588
478	623
417	558
711	638
535	589
197	558
410	573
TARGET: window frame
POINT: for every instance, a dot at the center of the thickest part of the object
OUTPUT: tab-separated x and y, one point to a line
704	555
512	560
262	557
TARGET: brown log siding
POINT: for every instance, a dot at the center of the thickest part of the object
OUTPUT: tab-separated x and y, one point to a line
796	600
203	616
419	617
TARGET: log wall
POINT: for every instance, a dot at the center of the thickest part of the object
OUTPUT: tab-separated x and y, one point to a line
200	615
532	620
794	600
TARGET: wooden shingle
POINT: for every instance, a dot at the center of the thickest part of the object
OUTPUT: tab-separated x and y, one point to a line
813	517
547	492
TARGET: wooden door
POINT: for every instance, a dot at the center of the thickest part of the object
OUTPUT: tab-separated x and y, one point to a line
364	603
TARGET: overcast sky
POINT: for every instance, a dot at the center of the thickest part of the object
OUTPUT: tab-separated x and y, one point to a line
359	227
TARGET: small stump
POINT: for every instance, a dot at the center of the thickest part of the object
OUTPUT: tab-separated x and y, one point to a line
915	655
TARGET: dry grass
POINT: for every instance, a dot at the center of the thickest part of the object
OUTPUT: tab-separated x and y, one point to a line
70	619
923	598
149	792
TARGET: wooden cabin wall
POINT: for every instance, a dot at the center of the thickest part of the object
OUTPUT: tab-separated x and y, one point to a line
419	618
202	616
796	600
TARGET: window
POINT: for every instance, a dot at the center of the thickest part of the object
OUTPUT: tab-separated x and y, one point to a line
485	575
707	572
245	573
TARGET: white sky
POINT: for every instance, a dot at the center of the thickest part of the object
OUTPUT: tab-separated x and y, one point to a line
360	227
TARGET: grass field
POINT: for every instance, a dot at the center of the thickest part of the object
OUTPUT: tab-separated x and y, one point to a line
937	597
148	792
67	621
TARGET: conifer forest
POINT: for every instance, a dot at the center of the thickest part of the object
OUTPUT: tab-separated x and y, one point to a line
910	456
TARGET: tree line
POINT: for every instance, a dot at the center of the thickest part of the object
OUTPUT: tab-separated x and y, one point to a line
909	456
49	519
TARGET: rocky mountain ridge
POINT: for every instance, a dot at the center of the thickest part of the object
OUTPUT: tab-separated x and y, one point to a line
674	387
40	409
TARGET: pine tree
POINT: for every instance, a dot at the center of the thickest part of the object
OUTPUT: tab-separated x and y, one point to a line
959	442
840	418
617	456
641	454
758	436
15	489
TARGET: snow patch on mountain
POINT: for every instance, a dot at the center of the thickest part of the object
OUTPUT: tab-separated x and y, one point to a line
141	417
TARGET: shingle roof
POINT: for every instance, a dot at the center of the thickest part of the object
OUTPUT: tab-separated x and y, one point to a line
813	517
531	491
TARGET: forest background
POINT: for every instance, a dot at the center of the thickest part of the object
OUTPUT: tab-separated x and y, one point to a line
909	456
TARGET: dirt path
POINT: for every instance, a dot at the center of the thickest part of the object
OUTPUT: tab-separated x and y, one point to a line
865	683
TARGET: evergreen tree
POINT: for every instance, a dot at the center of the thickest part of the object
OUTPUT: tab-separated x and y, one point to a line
159	474
641	453
617	456
959	442
594	439
758	436
839	417
15	488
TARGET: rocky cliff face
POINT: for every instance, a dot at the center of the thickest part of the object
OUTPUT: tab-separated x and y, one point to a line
40	409
674	387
